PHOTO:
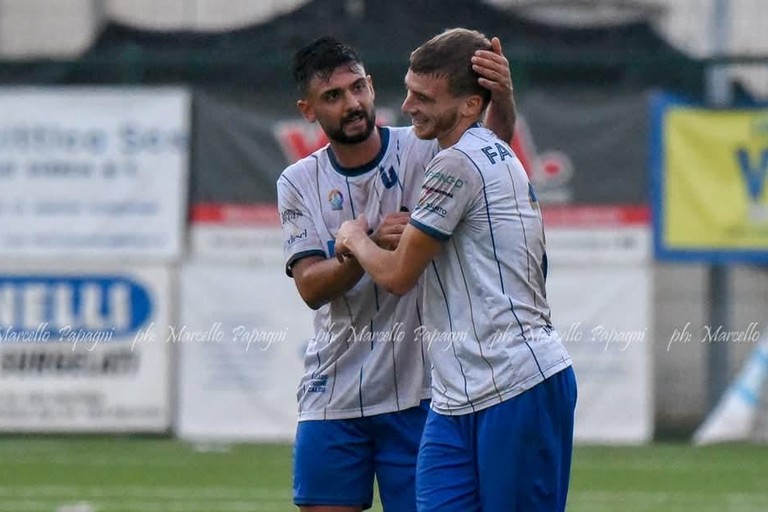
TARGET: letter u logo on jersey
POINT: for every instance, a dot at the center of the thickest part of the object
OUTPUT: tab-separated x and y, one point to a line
388	178
336	199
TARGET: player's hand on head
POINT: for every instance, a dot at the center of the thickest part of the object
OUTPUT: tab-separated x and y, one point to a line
493	68
391	228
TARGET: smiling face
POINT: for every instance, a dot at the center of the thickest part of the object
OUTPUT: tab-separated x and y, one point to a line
342	103
435	112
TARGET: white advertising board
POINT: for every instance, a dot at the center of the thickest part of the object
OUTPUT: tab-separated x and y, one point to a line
599	287
99	172
76	350
245	330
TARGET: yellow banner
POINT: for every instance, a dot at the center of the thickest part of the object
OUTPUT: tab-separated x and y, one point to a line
715	179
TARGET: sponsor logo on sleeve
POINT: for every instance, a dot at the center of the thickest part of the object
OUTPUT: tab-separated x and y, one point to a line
432	190
442	178
290	215
433	208
441	183
296	237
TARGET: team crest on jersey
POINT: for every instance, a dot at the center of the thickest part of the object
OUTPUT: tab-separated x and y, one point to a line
336	199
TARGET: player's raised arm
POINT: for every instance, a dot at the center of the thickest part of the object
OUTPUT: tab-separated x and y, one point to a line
495	75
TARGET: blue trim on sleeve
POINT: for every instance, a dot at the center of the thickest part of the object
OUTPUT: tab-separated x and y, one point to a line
301	255
428	230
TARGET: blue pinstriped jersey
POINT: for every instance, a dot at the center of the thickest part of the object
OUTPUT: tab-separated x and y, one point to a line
486	318
366	356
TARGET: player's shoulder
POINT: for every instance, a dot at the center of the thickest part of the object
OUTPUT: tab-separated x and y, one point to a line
451	164
468	154
399	132
404	137
480	145
465	150
301	166
476	138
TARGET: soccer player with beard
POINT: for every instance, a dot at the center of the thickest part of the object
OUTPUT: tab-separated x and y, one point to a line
362	398
499	434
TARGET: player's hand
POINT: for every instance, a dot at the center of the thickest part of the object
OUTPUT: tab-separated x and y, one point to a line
391	228
347	231
493	68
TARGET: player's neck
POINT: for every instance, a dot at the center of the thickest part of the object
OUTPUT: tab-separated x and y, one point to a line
357	155
455	134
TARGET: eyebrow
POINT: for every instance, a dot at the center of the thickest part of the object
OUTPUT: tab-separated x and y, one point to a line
417	93
328	92
357	82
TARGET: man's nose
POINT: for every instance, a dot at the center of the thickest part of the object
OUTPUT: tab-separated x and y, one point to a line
351	101
406	106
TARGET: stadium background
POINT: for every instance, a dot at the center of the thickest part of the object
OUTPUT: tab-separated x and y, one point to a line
201	154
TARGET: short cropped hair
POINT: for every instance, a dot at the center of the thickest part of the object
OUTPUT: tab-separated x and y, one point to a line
320	58
449	55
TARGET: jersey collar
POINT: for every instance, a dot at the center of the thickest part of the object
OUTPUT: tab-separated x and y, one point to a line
362	169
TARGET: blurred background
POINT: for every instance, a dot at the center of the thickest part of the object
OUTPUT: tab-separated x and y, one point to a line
146	323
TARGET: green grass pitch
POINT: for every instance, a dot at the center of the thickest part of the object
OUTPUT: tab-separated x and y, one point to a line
80	474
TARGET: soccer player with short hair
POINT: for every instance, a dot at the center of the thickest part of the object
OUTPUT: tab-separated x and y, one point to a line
362	398
500	432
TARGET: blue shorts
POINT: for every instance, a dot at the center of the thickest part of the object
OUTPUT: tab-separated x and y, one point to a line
335	461
511	457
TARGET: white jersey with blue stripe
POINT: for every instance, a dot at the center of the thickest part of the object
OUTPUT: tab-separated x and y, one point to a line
486	318
366	356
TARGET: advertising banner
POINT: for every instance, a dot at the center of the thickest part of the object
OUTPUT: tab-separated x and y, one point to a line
244	331
93	172
236	234
578	146
710	171
599	288
84	349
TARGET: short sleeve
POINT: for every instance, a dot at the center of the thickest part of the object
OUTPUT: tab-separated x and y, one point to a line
300	238
449	190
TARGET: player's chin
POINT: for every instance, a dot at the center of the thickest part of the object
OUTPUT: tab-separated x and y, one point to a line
357	131
358	125
423	131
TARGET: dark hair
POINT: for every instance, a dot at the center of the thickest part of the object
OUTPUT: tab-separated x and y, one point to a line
449	55
320	58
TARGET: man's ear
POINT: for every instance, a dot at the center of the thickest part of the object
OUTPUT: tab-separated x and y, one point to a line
370	86
473	106
306	110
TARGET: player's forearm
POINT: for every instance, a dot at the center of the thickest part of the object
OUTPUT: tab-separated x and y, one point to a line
383	266
322	281
501	116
